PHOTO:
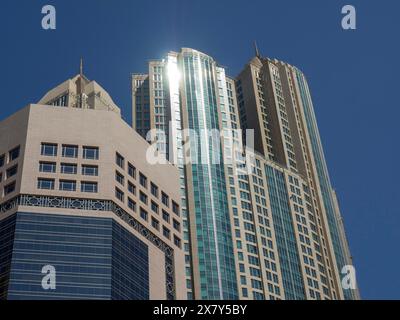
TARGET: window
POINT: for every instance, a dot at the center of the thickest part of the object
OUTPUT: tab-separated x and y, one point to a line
69	168
90	187
131	204
120	178
90	170
143	197
165	199
67	185
166	232
143	180
9	188
154	207
69	151
11	171
45	184
91	153
48	167
131	187
177	241
131	170
49	149
175	208
155	223
165	216
143	214
2	158
119	194
177	225
120	160
13	154
154	190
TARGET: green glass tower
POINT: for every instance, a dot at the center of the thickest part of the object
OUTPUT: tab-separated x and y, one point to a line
183	93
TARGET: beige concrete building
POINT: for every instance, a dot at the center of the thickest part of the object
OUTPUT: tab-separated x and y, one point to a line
77	193
275	101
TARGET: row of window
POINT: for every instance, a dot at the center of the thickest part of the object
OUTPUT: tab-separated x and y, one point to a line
120	161
120	195
68	168
10	156
143	197
67	185
155	223
69	151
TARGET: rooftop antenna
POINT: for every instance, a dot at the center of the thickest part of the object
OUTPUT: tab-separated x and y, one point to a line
256	50
81	68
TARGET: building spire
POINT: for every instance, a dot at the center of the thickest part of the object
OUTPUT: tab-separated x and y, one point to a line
81	68
256	50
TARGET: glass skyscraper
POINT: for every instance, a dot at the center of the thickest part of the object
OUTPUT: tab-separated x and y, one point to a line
266	224
183	93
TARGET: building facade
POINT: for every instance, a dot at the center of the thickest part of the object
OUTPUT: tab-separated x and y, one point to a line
264	224
183	91
77	194
275	101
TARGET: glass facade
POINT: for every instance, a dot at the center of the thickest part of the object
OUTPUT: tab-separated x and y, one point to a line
94	258
323	175
212	219
7	230
285	235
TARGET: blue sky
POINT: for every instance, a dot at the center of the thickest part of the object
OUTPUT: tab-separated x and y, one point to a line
352	75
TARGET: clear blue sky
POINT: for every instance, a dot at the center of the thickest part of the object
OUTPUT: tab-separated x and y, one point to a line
352	74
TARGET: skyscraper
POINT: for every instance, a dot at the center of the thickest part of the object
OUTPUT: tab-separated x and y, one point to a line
77	196
183	91
265	225
274	100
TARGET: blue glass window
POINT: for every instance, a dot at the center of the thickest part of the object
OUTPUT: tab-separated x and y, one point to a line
9	188
14	154
90	187
48	167
12	171
49	149
67	185
69	168
70	151
88	170
45	184
91	153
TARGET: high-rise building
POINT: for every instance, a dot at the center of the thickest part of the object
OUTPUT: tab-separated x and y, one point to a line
274	99
264	224
186	90
79	200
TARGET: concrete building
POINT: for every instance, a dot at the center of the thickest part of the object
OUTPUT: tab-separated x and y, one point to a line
77	193
265	225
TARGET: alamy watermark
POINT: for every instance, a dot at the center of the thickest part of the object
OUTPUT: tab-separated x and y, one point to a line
49	18
202	146
49	278
349	278
349	21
